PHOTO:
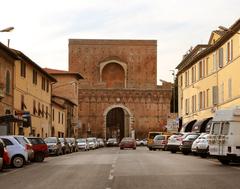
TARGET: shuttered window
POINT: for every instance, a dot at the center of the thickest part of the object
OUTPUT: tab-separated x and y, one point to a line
215	95
220	56
230	88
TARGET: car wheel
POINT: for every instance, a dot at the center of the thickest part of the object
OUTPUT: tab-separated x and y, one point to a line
224	161
185	152
134	148
39	157
121	148
17	161
173	151
203	155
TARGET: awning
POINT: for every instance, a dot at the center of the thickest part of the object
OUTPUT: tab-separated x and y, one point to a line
187	127
10	118
201	125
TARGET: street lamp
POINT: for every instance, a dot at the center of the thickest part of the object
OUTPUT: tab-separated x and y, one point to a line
8	29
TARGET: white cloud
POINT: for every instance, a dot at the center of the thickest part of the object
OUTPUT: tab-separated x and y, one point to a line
42	28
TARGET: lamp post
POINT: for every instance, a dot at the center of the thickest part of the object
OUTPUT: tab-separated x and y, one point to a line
8	29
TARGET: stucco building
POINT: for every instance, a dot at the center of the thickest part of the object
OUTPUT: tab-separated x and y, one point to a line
208	76
119	95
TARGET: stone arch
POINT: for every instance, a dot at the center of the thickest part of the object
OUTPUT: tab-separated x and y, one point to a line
129	121
122	64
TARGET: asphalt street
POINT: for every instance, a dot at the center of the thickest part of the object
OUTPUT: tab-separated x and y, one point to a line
111	168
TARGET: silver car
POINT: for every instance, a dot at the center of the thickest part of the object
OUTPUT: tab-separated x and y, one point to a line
83	144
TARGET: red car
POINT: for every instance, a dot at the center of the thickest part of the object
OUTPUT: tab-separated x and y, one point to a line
128	142
39	147
4	155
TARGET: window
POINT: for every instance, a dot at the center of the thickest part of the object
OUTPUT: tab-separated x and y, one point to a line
186	78
215	95
43	83
225	128
8	83
35	77
23	69
207	60
53	114
46	112
220	57
23	106
187	106
7	142
230	88
34	107
216	128
200	100
39	110
207	98
201	68
229	51
42	110
62	118
181	80
193	74
47	87
58	117
214	62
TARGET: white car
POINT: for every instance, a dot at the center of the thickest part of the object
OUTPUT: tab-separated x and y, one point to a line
175	141
194	145
17	150
203	146
92	141
82	144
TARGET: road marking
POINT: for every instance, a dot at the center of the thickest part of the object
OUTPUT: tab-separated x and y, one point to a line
108	188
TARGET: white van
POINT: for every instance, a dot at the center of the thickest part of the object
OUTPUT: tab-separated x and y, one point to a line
224	137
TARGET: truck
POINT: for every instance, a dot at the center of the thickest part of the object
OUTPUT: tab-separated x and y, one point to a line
224	137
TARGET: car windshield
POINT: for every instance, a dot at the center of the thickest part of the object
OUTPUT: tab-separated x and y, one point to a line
50	140
152	135
112	139
81	140
68	140
36	140
127	139
159	137
191	137
61	139
22	140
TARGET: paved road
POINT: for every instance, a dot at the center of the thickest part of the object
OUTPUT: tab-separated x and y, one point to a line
110	168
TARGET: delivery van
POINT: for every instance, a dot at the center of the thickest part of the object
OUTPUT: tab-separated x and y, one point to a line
224	137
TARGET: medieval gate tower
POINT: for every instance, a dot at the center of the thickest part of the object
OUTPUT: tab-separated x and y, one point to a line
119	95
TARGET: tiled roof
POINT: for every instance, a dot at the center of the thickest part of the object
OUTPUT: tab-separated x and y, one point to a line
62	72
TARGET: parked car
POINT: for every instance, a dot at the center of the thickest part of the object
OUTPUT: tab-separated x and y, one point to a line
100	142
128	142
175	141
141	142
74	144
83	144
39	147
92	143
203	146
70	144
18	149
160	142
194	144
54	145
187	142
112	142
2	146
150	138
66	148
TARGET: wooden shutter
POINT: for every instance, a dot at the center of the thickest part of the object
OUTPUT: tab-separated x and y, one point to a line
215	95
220	57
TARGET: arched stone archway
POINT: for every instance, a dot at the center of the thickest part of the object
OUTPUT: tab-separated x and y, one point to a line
120	125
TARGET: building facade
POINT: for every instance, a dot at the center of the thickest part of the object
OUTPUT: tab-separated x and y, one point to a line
208	77
7	59
58	119
32	97
67	88
119	96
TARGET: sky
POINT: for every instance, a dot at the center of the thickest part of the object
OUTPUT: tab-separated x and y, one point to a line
42	28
